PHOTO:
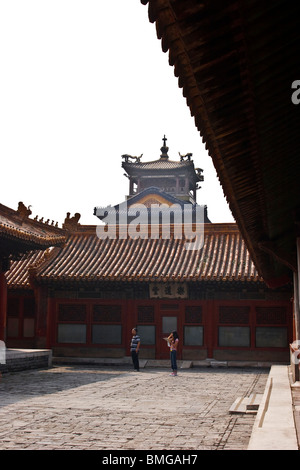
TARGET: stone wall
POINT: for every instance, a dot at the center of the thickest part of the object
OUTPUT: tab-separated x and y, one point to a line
23	359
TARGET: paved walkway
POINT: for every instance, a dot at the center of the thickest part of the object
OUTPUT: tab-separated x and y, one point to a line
295	390
114	408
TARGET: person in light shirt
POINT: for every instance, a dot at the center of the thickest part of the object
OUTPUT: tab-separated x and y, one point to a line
173	345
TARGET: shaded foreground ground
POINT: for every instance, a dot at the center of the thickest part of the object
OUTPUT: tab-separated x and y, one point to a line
81	407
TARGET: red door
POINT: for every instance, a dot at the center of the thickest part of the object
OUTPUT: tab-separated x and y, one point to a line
169	319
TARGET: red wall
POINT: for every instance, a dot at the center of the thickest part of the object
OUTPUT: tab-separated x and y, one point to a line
250	318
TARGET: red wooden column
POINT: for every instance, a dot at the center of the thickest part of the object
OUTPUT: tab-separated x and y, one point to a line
3	306
129	321
41	317
210	327
51	323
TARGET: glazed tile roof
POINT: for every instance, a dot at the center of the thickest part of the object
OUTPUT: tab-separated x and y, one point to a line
18	276
20	234
162	167
86	258
159	164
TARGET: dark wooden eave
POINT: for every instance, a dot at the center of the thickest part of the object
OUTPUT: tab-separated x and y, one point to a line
236	62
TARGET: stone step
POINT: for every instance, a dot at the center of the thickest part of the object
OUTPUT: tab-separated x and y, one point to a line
248	405
254	401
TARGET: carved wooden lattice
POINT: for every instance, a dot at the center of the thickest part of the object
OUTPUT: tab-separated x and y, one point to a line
169	307
29	307
234	315
271	315
193	314
72	312
13	307
146	314
107	313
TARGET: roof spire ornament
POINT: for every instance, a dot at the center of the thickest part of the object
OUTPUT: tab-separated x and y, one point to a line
164	149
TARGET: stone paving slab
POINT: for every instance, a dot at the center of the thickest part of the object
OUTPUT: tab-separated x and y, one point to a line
114	408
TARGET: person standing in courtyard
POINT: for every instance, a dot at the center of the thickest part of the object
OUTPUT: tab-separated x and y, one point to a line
173	341
134	349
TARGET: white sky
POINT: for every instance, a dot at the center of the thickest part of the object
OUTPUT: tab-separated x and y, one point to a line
83	82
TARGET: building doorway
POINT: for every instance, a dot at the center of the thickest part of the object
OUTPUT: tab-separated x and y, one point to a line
170	319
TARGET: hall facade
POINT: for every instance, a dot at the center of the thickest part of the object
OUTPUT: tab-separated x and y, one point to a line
82	298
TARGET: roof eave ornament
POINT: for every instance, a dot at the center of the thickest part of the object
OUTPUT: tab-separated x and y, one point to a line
164	149
24	211
130	157
72	223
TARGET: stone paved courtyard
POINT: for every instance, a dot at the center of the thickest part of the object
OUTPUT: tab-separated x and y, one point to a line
82	407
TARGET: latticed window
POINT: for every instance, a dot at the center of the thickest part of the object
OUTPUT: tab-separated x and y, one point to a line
234	315
193	330
107	313
146	314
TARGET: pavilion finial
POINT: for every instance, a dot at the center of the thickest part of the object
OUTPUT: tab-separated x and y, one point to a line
164	149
